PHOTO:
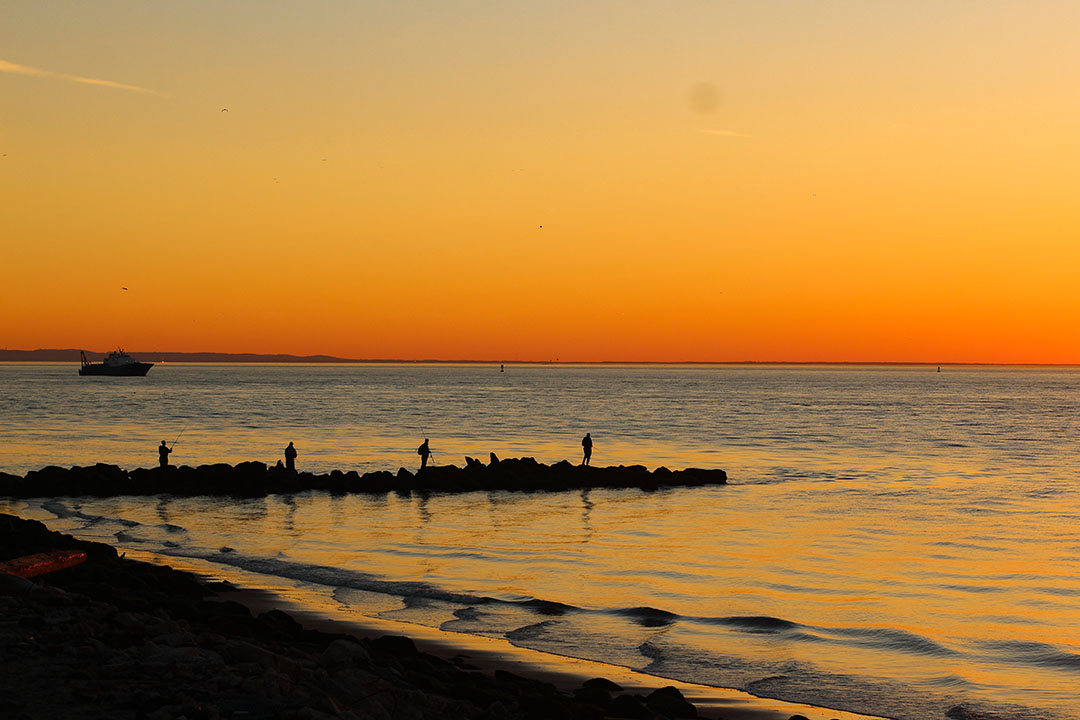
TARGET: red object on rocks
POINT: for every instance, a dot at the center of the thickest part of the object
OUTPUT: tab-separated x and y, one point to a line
30	566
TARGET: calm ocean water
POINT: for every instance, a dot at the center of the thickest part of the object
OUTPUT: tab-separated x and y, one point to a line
893	541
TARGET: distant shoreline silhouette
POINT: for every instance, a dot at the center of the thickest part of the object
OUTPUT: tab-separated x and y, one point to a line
72	355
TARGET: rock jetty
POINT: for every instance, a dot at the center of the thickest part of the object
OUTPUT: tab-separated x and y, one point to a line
118	638
256	479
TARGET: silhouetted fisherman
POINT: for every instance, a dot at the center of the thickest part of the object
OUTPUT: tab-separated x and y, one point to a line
163	454
423	451
586	448
290	457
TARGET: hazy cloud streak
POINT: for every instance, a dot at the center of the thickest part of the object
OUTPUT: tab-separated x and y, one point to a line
726	133
15	69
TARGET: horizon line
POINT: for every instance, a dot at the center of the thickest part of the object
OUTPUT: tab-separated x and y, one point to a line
324	359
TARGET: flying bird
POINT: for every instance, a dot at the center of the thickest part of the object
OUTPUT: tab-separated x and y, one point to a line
224	109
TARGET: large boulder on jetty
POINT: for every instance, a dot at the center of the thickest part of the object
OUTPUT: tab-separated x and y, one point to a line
11	485
378	482
696	476
49	480
255	479
100	479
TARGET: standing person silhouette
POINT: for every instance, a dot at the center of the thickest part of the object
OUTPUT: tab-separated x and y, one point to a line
290	457
586	448
163	454
423	451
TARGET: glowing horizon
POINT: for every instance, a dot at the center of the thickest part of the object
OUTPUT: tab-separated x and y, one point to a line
826	182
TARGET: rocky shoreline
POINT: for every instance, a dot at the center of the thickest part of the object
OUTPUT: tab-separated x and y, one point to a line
256	479
117	638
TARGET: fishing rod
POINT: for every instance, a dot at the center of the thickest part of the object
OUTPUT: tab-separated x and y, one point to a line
178	436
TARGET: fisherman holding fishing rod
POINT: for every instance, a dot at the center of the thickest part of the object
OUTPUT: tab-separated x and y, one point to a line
424	452
164	449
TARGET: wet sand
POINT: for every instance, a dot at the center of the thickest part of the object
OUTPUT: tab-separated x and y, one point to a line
490	655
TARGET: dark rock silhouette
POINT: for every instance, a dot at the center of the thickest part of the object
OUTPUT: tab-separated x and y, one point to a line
669	702
603	684
255	479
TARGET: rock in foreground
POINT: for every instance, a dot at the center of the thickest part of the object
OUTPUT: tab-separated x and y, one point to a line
122	639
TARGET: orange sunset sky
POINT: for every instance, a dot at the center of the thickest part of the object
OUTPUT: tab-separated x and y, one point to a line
725	181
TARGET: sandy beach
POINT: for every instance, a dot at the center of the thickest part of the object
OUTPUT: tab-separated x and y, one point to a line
124	638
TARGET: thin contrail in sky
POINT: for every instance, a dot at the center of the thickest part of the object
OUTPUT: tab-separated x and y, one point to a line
726	133
16	69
